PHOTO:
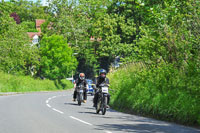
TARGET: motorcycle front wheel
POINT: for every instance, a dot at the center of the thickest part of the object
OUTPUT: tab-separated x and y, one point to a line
79	99
104	106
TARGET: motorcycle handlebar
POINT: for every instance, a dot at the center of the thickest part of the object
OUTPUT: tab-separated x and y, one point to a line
102	85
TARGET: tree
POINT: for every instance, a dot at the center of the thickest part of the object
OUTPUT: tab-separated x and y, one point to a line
16	17
17	56
57	60
26	10
74	22
173	35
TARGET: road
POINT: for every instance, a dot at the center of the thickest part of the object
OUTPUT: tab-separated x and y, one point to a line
55	112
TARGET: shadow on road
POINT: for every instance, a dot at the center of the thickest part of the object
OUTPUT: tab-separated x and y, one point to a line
88	113
71	104
145	128
89	108
144	125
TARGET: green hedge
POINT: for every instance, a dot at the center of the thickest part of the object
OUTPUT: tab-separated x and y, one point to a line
163	92
14	83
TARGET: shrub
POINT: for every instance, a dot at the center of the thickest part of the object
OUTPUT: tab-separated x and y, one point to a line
164	91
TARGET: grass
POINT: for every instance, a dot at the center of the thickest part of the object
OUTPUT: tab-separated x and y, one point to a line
163	92
14	83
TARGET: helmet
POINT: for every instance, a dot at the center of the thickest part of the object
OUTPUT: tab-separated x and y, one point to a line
102	73
82	76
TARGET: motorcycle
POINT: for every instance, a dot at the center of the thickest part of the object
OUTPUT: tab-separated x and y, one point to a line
102	99
80	90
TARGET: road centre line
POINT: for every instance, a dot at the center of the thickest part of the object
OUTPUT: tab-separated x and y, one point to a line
47	101
58	111
80	120
85	122
49	105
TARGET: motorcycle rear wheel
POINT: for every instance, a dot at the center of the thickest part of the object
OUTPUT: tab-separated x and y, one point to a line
79	103
98	107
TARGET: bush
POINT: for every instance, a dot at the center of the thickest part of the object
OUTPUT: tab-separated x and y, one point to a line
164	92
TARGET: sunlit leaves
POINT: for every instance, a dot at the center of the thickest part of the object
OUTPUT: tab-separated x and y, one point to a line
57	60
17	56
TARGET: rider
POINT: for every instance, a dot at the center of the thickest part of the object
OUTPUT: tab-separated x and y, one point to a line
81	80
100	79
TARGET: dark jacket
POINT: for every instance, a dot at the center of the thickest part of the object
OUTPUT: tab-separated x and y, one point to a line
78	82
99	80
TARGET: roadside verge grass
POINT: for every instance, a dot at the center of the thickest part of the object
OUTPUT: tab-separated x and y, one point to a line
13	83
163	92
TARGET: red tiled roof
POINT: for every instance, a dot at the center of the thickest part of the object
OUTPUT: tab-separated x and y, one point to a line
39	22
32	34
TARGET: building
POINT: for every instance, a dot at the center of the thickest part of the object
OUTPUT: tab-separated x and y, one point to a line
38	24
34	36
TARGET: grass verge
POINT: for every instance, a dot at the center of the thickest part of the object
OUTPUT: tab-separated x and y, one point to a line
162	92
13	83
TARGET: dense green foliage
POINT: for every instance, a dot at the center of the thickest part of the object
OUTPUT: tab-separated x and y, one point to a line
74	24
166	84
16	83
57	60
27	10
162	92
17	56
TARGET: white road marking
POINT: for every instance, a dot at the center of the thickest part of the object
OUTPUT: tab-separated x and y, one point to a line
80	120
49	105
58	111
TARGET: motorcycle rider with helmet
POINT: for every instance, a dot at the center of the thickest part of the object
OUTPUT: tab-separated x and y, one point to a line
99	80
81	80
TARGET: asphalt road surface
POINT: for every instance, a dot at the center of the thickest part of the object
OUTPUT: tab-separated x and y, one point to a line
55	112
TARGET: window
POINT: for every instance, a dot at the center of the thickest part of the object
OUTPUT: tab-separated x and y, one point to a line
35	40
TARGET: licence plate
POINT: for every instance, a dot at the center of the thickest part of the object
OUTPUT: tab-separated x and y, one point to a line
105	89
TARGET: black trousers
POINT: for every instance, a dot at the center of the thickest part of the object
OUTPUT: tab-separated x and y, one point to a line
96	96
84	94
